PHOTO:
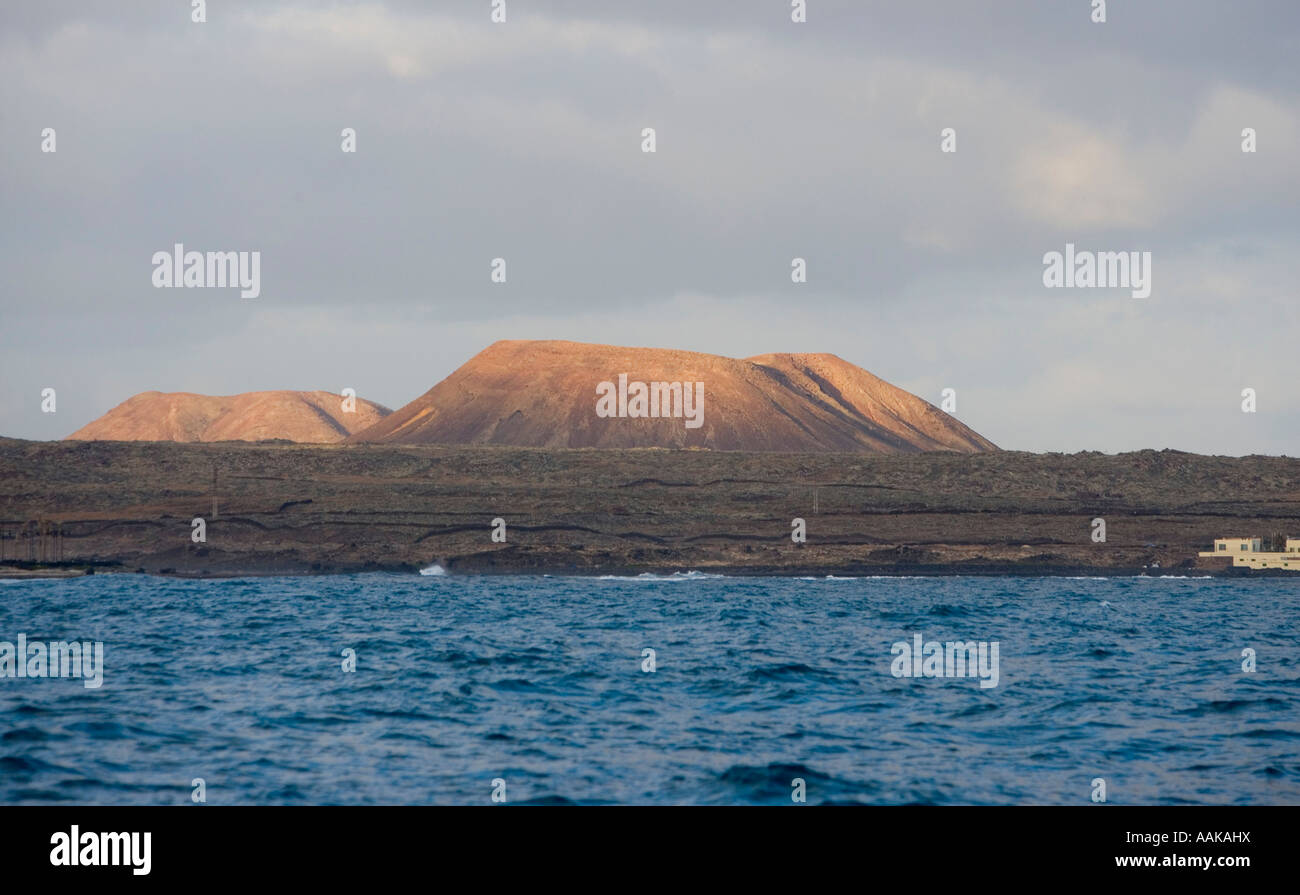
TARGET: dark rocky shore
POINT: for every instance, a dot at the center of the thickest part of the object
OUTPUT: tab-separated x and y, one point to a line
286	508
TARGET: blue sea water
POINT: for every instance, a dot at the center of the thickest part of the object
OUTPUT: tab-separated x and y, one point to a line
539	681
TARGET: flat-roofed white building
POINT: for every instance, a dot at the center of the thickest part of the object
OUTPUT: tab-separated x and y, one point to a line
1225	546
1249	553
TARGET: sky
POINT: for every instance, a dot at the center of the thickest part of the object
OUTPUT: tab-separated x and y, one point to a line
774	140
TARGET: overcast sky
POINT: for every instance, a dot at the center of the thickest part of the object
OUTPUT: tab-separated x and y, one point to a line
775	140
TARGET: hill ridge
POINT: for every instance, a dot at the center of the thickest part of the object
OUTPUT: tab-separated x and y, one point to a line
547	393
314	417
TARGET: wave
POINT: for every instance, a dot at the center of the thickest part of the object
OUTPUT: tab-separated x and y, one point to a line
873	577
675	576
434	569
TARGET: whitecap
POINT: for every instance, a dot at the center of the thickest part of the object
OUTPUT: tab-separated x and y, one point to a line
651	576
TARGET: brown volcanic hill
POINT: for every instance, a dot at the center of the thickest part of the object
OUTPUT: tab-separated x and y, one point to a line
315	417
543	394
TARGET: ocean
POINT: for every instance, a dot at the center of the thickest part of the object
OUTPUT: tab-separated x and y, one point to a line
534	689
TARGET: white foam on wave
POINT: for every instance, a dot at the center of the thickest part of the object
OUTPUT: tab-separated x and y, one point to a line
651	576
434	569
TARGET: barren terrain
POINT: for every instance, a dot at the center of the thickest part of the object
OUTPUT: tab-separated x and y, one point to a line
288	508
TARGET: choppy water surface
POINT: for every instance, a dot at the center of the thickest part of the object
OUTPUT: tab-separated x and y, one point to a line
538	681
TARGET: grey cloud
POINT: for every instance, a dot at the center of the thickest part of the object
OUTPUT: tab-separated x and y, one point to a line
775	140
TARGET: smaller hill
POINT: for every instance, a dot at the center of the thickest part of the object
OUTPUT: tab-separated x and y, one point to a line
309	417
